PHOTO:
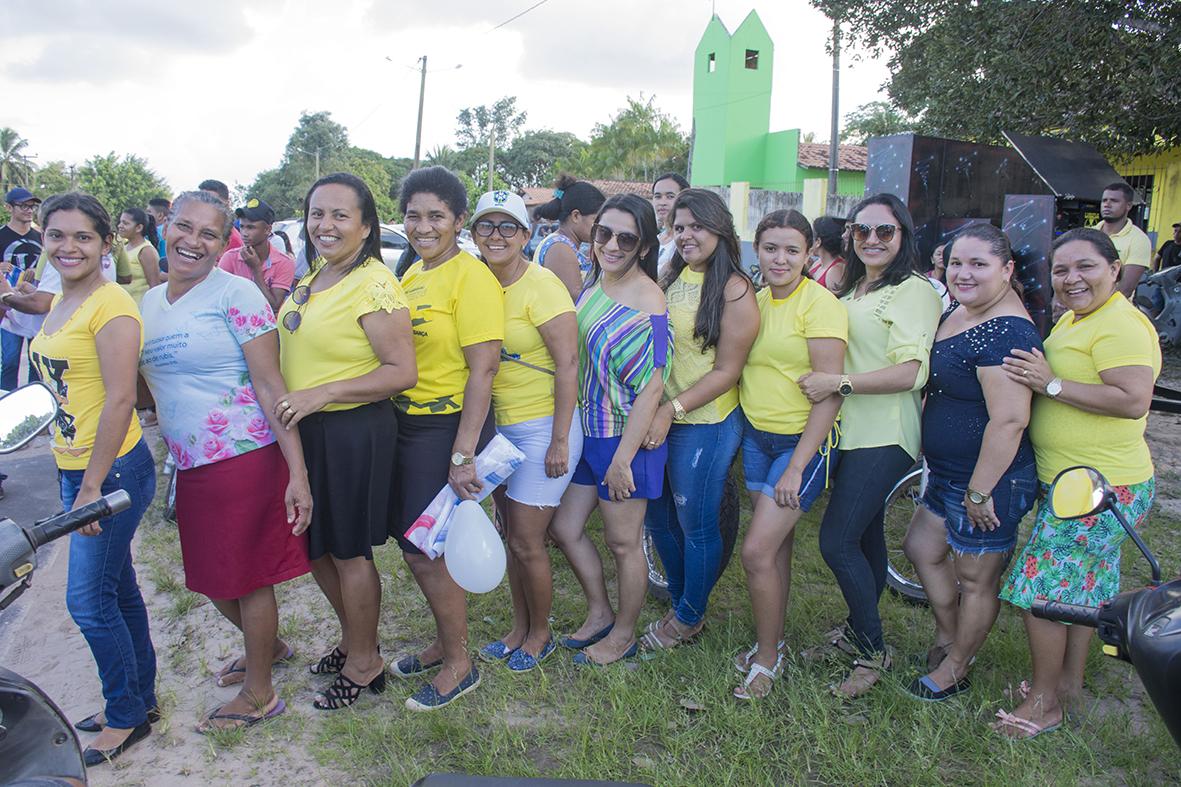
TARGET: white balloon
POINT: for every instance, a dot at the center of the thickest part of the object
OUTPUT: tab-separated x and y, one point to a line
473	552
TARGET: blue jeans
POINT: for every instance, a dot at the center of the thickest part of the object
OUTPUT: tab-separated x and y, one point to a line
103	596
11	345
683	521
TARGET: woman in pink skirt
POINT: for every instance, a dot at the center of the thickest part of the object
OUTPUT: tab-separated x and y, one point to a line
211	359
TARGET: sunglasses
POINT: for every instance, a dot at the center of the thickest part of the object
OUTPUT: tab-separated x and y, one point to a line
885	232
627	241
507	229
301	295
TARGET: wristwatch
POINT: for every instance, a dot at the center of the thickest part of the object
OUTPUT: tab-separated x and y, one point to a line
1054	387
845	388
459	459
678	410
977	498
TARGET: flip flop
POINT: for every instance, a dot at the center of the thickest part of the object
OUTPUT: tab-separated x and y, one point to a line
205	727
239	673
1030	728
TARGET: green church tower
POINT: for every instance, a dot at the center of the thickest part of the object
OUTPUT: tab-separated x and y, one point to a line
732	103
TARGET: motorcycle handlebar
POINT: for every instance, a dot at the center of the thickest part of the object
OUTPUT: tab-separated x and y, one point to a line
1062	612
62	524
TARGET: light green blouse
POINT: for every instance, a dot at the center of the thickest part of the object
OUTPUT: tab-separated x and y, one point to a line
889	326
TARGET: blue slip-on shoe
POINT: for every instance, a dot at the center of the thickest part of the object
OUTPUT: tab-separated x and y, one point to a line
579	644
429	698
927	690
495	651
584	660
408	666
523	661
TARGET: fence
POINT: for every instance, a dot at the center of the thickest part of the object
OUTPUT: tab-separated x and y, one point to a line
761	202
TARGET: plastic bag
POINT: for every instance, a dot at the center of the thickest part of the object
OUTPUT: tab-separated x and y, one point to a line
494	464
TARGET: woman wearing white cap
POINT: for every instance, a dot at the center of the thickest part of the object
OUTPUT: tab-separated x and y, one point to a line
534	396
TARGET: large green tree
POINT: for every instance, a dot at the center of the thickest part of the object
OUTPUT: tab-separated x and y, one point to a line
120	183
1100	71
474	125
875	119
53	178
532	158
639	143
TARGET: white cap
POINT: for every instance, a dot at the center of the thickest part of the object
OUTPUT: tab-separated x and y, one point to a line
502	201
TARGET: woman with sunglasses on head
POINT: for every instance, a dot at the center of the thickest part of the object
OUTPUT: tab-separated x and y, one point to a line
623	338
574	206
534	396
211	360
86	351
345	349
664	193
788	454
893	314
446	419
138	228
715	319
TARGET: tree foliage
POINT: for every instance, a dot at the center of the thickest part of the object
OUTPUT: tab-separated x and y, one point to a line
639	143
532	158
875	119
15	165
120	183
474	125
53	178
1100	71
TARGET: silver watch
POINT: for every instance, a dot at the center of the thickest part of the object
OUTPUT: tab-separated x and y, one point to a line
1054	387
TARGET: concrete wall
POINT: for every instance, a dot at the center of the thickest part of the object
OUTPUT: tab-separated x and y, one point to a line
1166	189
760	202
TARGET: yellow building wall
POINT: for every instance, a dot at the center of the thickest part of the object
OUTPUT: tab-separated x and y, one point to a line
1166	189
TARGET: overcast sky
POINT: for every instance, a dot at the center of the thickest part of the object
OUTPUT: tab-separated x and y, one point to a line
214	89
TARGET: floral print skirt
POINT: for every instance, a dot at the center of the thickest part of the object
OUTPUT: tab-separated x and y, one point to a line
1076	560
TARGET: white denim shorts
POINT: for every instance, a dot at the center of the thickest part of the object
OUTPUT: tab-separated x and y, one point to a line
529	484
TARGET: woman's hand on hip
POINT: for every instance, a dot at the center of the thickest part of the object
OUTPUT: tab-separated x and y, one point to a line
982	516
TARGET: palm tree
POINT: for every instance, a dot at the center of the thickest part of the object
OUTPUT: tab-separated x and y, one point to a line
15	166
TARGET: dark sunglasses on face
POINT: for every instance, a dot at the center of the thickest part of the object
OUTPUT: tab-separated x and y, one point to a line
507	229
299	297
885	232
627	241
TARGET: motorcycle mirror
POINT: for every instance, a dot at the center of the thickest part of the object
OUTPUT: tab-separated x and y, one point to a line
1078	492
23	413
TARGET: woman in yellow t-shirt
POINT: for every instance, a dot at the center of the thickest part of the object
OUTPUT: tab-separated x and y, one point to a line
138	228
893	315
444	420
787	444
534	396
87	351
1094	387
714	318
345	349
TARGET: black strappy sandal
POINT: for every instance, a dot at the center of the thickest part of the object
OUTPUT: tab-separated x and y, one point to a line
344	692
332	663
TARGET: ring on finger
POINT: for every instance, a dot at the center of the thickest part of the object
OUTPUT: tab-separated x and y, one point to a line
285	404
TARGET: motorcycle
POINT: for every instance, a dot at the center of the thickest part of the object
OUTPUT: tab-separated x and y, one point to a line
37	743
1159	297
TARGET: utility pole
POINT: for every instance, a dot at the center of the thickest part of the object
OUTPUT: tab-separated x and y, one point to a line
421	96
491	155
833	165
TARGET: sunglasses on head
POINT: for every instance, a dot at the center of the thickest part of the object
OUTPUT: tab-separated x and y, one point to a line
507	229
885	232
626	241
299	297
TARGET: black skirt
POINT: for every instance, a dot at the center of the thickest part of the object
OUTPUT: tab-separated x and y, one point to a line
350	459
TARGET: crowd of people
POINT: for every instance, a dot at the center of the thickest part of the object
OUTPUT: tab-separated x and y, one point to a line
312	419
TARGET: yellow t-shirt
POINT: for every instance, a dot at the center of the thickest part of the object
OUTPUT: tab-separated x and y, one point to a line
689	363
67	361
1116	334
771	400
139	280
1133	245
330	343
889	326
456	304
519	393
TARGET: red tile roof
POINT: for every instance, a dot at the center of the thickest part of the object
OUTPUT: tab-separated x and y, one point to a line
814	155
539	195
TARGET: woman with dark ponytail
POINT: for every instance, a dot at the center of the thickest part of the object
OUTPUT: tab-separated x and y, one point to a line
715	319
574	206
138	228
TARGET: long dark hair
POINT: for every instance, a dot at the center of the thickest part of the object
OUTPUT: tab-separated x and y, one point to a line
147	221
904	265
709	211
829	230
642	213
83	203
371	246
570	195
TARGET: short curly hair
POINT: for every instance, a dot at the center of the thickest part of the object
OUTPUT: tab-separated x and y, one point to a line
441	182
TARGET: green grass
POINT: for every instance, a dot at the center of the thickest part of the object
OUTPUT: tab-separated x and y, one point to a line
629	722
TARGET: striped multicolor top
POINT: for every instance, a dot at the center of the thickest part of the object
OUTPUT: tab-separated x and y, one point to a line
620	349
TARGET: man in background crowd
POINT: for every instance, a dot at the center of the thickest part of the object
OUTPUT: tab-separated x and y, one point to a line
20	246
222	192
1134	247
1169	254
258	259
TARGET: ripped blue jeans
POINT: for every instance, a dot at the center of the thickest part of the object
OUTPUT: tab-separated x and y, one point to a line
683	521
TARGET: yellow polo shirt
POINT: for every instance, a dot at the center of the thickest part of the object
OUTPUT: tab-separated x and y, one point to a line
1133	245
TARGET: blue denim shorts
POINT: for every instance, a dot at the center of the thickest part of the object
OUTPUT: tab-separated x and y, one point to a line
765	455
1012	498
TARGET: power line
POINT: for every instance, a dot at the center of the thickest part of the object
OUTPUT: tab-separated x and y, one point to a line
518	16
